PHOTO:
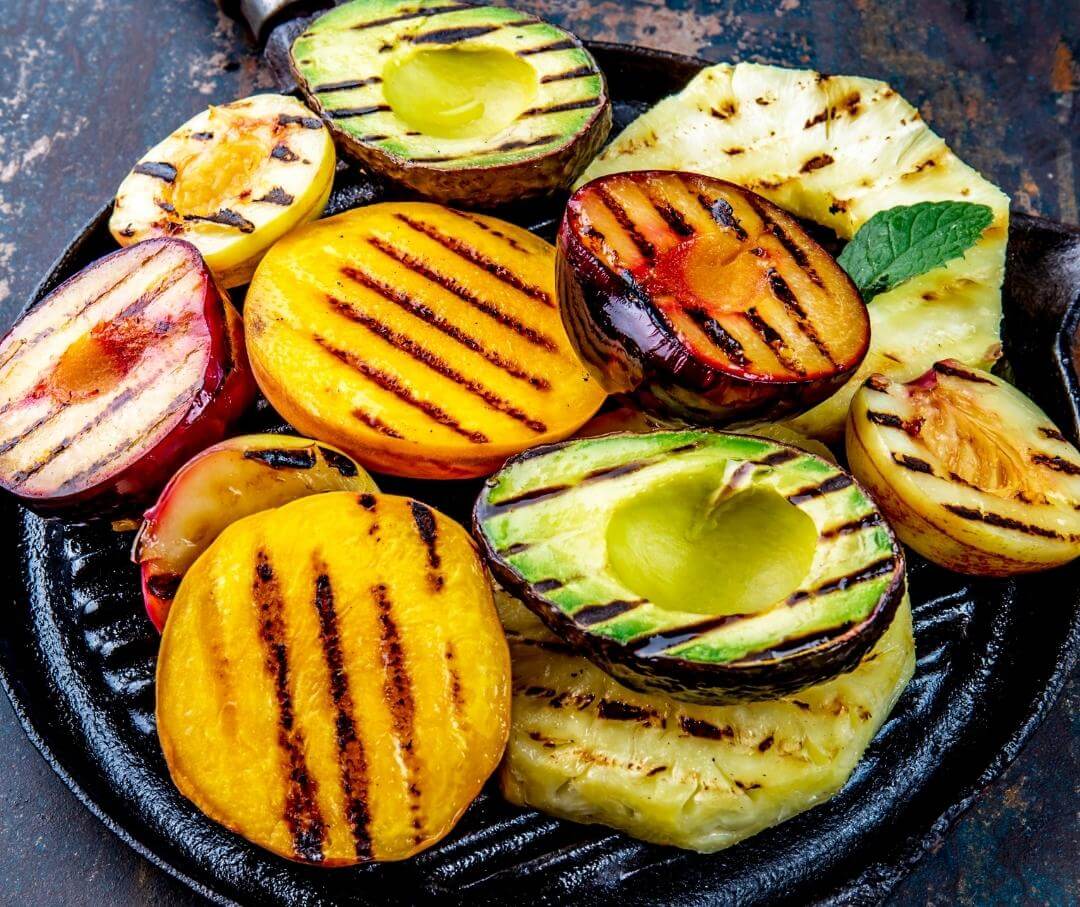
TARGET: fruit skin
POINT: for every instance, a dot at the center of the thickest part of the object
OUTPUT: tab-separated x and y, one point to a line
917	497
226	391
836	150
476	176
333	682
641	648
634	351
240	476
285	160
703	778
423	341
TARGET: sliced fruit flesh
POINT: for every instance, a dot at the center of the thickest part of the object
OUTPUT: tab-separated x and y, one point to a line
459	92
541	516
333	682
968	455
585	748
132	341
231	180
221	485
448	85
742	285
421	340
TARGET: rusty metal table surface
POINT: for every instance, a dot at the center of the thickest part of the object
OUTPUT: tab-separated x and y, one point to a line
87	85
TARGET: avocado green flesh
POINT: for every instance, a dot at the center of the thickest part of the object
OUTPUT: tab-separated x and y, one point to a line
631	536
446	85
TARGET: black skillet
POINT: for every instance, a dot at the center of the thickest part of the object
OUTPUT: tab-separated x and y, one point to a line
77	658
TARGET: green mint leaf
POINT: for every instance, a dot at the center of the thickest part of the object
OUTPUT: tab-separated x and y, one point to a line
904	242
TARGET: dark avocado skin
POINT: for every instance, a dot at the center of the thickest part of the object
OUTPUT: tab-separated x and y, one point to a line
779	673
480	187
634	353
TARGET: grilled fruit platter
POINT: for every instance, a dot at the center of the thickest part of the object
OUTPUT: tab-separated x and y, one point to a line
681	610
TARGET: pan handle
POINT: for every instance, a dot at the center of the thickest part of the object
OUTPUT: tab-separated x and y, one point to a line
262	15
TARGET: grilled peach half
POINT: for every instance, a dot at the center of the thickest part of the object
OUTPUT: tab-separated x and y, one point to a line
221	485
117	377
424	341
699	301
333	683
970	472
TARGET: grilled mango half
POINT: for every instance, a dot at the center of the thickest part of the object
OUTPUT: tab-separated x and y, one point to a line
423	341
333	683
584	748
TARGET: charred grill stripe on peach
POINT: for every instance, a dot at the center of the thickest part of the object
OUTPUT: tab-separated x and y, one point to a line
1053	434
339	462
562	107
420	13
565	44
669	213
953	371
428	315
41	421
161	170
397	691
580	73
346	85
597	614
351	756
283	458
457	694
1004	522
835	483
437	364
646	249
852	526
346	113
427	529
774	341
302	814
1058	464
487	228
793	248
720	210
877	569
783	292
392	384
462	250
374	422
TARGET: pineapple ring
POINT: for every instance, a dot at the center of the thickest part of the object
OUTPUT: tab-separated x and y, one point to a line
584	748
232	180
837	150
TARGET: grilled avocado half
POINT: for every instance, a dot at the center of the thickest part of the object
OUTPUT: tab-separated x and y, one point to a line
462	103
710	566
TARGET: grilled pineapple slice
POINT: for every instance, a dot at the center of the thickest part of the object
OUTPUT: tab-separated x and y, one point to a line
837	150
582	747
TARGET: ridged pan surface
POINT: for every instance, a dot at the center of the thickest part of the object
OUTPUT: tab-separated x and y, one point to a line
77	659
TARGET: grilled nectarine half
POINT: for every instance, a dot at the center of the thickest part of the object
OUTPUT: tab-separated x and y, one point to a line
117	377
698	300
424	341
219	486
333	682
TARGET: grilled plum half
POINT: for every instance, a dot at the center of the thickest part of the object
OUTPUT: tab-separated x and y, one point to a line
710	566
117	377
333	683
703	302
221	485
971	473
584	748
232	180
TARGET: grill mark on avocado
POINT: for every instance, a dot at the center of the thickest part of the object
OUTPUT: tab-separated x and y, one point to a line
346	113
291	119
835	483
521	144
283	458
774	341
963	374
580	73
454	35
226	217
547	585
852	526
397	691
839	584
1004	522
720	210
429	316
352	758
787	298
645	248
774	228
706	730
376	424
339	462
427	529
725	342
302	814
429	12
796	644
436	363
562	107
656	643
346	85
393	385
496	270
159	170
597	614
1058	464
515	548
277	196
565	44
777	458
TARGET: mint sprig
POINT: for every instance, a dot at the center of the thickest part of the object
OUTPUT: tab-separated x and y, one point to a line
900	243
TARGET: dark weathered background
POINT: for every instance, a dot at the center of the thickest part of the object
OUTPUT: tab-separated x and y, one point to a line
87	85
